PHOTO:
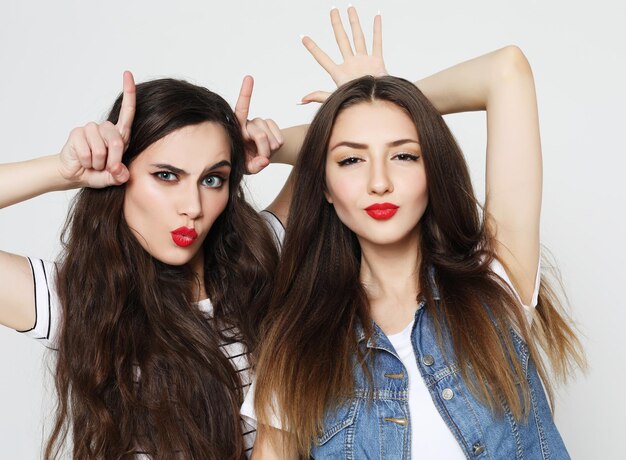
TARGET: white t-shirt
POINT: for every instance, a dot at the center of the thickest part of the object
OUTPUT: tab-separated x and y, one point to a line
431	438
48	315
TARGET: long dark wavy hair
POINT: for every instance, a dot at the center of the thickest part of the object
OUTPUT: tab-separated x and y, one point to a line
307	354
139	366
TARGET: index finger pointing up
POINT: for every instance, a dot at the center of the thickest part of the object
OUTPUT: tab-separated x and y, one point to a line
242	107
127	110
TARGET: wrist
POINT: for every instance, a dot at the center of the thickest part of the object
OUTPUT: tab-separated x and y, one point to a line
59	177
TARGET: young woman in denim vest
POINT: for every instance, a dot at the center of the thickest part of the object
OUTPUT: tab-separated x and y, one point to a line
408	321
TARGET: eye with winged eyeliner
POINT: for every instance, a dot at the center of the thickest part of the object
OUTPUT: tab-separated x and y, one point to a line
406	156
349	161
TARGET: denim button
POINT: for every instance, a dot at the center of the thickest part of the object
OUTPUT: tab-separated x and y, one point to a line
478	448
395	376
447	394
399	421
428	360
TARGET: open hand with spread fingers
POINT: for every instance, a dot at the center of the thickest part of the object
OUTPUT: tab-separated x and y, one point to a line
92	155
356	60
262	137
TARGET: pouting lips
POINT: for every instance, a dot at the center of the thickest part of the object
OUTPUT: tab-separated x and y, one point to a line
184	236
382	211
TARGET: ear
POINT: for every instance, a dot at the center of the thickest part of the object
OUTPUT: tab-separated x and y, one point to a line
327	195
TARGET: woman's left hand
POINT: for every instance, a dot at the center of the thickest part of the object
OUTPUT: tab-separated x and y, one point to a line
356	62
262	137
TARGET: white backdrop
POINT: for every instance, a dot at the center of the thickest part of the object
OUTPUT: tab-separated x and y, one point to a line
62	63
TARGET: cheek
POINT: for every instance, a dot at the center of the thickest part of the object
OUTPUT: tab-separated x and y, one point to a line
139	202
343	189
344	196
215	203
135	205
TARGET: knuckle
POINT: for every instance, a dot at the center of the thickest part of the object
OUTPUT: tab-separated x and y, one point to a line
99	152
76	132
261	136
116	143
83	155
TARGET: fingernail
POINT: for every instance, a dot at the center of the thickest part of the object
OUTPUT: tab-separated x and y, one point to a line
333	8
350	5
378	14
302	36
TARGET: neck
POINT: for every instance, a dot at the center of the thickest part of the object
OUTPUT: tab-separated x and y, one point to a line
390	275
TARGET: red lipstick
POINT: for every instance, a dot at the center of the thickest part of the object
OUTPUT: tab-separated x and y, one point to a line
184	236
382	211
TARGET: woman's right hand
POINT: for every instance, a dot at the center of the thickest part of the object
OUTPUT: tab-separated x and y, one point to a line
92	155
356	62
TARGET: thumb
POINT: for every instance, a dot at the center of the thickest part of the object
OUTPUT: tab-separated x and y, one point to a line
257	164
119	174
315	96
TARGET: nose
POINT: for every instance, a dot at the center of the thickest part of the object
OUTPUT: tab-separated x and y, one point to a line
191	202
379	181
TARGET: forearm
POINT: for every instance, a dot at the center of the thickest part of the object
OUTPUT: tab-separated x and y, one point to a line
472	85
27	179
271	444
292	142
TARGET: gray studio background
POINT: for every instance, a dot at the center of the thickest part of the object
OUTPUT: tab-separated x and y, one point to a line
62	64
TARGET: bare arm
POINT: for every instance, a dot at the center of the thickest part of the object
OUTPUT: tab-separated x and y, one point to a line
356	63
270	445
287	154
502	83
20	182
90	158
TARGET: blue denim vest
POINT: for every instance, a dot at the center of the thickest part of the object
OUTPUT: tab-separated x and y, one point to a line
375	424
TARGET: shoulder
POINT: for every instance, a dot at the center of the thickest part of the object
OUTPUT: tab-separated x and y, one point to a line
529	309
47	304
276	227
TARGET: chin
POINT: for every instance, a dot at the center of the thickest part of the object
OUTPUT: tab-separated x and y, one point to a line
388	239
176	260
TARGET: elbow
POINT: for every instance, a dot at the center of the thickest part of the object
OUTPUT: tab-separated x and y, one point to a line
512	64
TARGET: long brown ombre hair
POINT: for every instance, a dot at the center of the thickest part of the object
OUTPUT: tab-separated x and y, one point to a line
307	354
139	366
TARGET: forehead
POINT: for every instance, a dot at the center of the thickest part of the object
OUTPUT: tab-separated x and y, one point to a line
190	148
373	122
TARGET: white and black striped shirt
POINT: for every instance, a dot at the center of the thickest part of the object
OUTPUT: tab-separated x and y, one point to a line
48	316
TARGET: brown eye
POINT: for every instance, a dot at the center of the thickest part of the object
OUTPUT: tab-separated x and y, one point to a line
349	161
404	156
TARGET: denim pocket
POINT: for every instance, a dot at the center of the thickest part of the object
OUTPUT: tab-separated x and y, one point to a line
337	420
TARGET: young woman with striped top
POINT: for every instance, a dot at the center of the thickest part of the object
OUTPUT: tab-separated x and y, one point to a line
146	364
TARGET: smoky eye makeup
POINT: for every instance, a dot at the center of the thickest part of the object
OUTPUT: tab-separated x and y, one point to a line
213	181
165	176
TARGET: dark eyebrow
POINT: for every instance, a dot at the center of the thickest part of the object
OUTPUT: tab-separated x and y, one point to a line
219	164
356	145
403	141
170	168
176	170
